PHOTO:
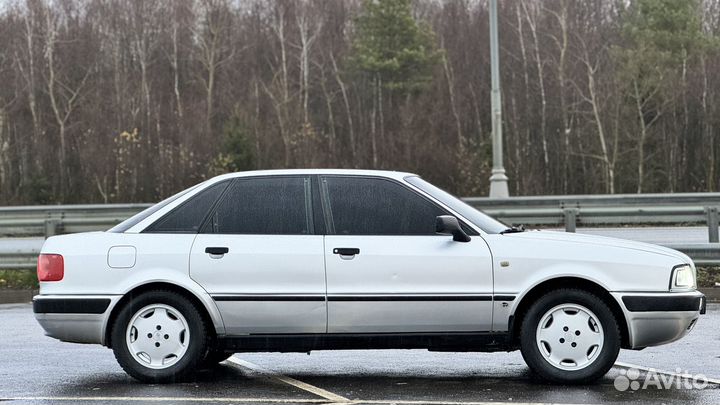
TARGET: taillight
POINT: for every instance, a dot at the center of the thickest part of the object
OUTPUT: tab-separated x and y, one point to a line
50	267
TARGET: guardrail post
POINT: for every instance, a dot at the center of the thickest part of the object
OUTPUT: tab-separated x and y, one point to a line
712	223
570	215
51	227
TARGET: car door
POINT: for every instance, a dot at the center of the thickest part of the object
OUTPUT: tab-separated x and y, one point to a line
387	269
259	257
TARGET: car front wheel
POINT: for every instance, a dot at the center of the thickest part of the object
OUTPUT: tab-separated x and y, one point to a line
570	336
159	336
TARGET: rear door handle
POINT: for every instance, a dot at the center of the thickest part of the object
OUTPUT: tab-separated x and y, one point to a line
346	251
216	250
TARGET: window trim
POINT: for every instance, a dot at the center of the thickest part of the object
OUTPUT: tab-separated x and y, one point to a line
327	210
205	228
148	229
319	223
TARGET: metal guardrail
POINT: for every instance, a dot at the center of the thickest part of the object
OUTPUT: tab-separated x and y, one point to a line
561	211
49	220
18	261
619	209
702	254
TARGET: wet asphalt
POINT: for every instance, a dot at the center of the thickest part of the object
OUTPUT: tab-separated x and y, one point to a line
38	369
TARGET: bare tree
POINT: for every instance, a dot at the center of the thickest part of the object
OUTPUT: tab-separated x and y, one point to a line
116	101
215	51
64	95
591	97
532	12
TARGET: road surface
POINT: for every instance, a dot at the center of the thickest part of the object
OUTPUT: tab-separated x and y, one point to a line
38	369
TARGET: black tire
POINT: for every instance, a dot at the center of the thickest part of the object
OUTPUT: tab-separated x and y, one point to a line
602	361
188	362
213	357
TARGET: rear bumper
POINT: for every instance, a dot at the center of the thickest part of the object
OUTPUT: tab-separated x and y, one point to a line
72	318
658	318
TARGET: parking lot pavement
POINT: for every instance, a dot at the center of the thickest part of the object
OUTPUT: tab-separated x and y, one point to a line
38	369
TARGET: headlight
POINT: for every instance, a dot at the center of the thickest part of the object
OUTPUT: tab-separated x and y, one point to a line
683	278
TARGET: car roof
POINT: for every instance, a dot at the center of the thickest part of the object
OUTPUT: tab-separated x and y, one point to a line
345	172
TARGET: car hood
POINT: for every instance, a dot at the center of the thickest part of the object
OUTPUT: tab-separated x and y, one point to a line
602	241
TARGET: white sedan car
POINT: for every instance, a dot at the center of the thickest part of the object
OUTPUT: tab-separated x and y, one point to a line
302	260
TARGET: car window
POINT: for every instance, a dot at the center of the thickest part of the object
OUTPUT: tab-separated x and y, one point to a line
485	222
140	216
374	206
265	206
189	216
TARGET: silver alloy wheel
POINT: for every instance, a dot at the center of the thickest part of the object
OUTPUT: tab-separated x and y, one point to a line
157	336
570	337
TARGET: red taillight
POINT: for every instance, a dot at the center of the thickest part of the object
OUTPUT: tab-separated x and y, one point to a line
50	267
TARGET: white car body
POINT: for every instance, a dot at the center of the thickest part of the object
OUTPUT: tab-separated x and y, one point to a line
289	286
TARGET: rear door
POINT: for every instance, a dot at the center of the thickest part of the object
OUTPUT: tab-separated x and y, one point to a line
387	270
259	257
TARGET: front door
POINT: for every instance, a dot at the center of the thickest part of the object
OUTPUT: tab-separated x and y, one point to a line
259	258
387	269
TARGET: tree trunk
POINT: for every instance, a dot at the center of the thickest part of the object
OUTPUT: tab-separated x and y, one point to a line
176	70
50	56
451	91
562	20
532	23
523	133
707	130
373	125
348	112
641	139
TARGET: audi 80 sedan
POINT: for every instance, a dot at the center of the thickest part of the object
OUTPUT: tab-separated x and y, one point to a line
302	260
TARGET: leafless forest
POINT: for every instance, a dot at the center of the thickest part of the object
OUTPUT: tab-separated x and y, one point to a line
124	101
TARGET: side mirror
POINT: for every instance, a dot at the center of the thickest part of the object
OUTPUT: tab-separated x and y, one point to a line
449	225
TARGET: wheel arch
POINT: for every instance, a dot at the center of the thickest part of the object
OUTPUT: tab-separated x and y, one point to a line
546	286
158	285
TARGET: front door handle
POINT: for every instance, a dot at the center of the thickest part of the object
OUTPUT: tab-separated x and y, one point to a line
218	251
346	251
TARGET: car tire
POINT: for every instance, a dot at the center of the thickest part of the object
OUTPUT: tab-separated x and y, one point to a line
159	337
570	336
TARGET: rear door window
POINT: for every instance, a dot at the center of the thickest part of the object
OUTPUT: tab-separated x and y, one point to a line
264	206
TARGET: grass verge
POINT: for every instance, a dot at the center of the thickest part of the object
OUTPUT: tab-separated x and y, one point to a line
707	277
18	279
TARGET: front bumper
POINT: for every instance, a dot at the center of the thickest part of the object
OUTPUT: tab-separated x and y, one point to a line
74	318
658	318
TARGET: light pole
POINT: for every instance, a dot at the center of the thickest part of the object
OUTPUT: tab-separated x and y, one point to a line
498	179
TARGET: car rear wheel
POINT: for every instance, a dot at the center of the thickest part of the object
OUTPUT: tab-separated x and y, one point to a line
570	336
159	336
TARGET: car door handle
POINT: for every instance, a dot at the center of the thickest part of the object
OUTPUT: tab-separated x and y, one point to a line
346	251
216	250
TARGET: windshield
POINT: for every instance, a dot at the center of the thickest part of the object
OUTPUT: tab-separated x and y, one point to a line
486	223
137	218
